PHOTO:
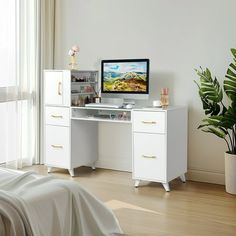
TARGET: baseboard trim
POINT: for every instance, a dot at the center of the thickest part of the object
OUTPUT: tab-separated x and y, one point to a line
113	164
192	174
206	176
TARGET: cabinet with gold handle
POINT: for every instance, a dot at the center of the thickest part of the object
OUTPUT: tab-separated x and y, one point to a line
56	146
159	145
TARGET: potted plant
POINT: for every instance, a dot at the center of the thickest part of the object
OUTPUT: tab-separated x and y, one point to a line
220	118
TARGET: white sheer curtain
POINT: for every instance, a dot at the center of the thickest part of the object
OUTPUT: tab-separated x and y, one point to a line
19	80
47	34
26	48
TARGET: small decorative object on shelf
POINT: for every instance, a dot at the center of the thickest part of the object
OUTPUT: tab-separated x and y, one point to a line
81	101
75	101
164	98
86	101
156	103
72	53
97	99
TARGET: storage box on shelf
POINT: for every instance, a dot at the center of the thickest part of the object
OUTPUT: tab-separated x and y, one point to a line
159	145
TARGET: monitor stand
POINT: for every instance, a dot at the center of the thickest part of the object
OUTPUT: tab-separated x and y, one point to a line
115	101
128	101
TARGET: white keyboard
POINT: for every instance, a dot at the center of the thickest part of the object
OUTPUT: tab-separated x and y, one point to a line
104	105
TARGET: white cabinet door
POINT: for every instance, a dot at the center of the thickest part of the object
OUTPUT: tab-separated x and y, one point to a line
149	157
57	146
57	88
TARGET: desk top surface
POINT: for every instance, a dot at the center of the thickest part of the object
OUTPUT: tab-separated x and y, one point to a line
141	108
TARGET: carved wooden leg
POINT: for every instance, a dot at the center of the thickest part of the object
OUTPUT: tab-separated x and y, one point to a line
166	187
49	169
182	177
72	172
136	184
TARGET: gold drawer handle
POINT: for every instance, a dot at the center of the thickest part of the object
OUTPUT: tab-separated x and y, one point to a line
59	88
149	122
145	156
55	116
57	146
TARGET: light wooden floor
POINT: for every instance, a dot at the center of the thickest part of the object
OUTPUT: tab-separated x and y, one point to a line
191	209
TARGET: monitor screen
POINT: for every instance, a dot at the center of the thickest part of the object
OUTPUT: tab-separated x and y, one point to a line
128	76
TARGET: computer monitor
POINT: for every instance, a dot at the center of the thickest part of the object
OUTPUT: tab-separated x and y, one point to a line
125	78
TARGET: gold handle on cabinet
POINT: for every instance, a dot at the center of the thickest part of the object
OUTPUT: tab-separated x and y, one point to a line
56	116
57	146
145	156
149	122
59	88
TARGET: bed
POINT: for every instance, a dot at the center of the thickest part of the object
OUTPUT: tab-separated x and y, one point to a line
31	204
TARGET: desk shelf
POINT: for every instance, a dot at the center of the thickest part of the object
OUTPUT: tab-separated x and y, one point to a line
83	82
101	120
82	93
116	115
84	87
102	108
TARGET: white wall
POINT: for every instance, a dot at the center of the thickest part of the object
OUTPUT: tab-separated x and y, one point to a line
177	36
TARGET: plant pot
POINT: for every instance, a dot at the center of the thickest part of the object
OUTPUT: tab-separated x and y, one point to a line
230	173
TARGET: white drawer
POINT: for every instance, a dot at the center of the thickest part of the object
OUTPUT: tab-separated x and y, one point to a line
149	156
57	150
149	122
57	116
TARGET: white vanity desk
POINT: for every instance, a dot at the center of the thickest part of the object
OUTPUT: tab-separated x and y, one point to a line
159	137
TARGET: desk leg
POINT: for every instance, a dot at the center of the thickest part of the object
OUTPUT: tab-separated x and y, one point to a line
166	187
72	172
93	166
136	184
182	177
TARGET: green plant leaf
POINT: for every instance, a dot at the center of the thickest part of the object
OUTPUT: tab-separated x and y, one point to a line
210	92
233	66
230	81
230	72
215	131
233	50
229	119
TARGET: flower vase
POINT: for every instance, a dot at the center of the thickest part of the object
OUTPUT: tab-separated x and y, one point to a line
164	98
73	65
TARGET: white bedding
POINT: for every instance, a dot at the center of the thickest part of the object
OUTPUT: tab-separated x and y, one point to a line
31	204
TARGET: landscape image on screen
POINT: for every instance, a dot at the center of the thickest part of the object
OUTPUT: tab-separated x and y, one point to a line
125	77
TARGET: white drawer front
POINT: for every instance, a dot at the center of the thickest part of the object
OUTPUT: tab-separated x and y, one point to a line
149	157
149	122
57	116
57	150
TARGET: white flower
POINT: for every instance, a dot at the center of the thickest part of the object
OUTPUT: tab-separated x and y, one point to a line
71	53
75	48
